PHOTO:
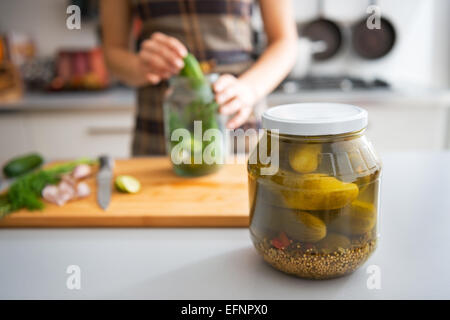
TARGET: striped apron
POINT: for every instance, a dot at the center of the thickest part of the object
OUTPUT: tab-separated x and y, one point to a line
216	31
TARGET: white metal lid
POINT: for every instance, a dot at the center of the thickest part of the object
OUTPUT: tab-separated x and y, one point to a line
315	119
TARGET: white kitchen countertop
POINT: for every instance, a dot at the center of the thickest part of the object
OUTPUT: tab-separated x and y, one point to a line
412	96
114	98
413	253
124	99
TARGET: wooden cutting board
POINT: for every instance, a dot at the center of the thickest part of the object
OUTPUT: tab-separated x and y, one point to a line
165	200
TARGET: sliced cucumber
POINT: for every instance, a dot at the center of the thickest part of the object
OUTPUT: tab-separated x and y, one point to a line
127	184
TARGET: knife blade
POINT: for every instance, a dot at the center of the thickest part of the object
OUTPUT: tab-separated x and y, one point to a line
104	178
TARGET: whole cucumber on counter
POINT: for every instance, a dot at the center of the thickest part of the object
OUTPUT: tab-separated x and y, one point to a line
21	165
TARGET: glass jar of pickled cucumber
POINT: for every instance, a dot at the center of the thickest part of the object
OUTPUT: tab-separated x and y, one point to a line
194	129
316	216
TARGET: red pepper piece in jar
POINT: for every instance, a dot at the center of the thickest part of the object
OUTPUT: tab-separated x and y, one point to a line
281	242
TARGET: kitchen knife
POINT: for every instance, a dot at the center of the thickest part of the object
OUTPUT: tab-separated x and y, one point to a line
104	178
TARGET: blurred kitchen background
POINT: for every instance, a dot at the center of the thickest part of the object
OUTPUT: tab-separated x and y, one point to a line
56	97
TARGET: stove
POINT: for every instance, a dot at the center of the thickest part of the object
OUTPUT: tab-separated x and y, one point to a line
339	83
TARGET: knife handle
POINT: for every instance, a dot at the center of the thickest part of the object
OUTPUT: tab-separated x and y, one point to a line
106	162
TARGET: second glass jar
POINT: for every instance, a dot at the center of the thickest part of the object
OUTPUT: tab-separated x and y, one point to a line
191	106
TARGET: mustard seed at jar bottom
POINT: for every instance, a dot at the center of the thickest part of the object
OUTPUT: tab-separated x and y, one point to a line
316	217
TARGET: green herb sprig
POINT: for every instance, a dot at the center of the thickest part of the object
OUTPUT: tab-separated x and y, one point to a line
26	191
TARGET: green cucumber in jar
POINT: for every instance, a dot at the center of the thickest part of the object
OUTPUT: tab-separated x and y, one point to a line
22	165
192	69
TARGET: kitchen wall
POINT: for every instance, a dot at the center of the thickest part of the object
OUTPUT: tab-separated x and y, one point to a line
45	20
421	55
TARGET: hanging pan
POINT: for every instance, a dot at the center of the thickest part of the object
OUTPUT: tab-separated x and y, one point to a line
373	43
325	30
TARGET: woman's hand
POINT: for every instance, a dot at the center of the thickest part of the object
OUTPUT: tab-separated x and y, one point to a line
234	96
161	57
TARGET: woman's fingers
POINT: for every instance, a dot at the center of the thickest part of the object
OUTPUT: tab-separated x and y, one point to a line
234	97
240	118
173	62
153	78
155	63
171	43
230	107
162	57
226	90
226	95
223	82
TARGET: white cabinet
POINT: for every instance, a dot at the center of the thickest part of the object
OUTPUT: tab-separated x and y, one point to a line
68	125
14	138
67	134
404	127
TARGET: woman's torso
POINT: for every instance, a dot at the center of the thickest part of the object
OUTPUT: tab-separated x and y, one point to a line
215	31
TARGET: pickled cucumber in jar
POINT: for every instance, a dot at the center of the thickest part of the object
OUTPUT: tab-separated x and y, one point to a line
319	192
305	158
358	218
267	224
303	226
334	242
